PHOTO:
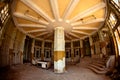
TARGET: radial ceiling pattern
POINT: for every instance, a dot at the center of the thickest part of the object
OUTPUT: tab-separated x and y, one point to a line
79	18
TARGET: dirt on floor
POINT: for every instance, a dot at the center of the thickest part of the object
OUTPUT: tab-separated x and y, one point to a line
30	72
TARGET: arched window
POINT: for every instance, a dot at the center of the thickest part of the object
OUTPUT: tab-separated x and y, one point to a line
112	20
114	23
117	36
4	13
117	2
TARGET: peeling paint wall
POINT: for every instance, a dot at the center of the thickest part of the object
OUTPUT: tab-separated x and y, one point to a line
11	47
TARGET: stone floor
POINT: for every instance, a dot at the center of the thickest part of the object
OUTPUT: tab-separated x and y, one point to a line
73	72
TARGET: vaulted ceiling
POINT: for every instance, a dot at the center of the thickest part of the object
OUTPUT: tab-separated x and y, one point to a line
79	18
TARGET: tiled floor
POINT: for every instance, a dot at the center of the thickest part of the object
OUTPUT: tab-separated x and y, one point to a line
73	72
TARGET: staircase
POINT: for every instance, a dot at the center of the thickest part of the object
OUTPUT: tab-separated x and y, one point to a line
103	66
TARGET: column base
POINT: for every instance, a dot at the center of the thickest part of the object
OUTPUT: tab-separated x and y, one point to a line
59	71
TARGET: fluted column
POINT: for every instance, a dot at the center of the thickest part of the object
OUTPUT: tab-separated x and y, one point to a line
59	50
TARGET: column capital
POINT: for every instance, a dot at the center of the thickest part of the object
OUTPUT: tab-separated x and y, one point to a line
59	28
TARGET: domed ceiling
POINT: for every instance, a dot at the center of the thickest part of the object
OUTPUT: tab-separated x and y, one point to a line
79	18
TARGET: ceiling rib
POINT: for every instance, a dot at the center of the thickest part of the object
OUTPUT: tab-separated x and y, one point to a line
88	12
85	28
30	18
70	8
41	34
68	36
87	22
105	29
78	25
74	35
54	6
33	6
37	30
80	32
48	35
32	25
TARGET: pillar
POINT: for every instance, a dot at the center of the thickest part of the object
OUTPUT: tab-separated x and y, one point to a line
72	52
91	46
22	48
52	52
42	51
32	51
59	50
103	43
81	48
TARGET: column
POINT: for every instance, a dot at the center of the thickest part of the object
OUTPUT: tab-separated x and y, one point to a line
91	46
22	49
52	52
42	50
72	52
103	43
59	50
81	48
32	51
